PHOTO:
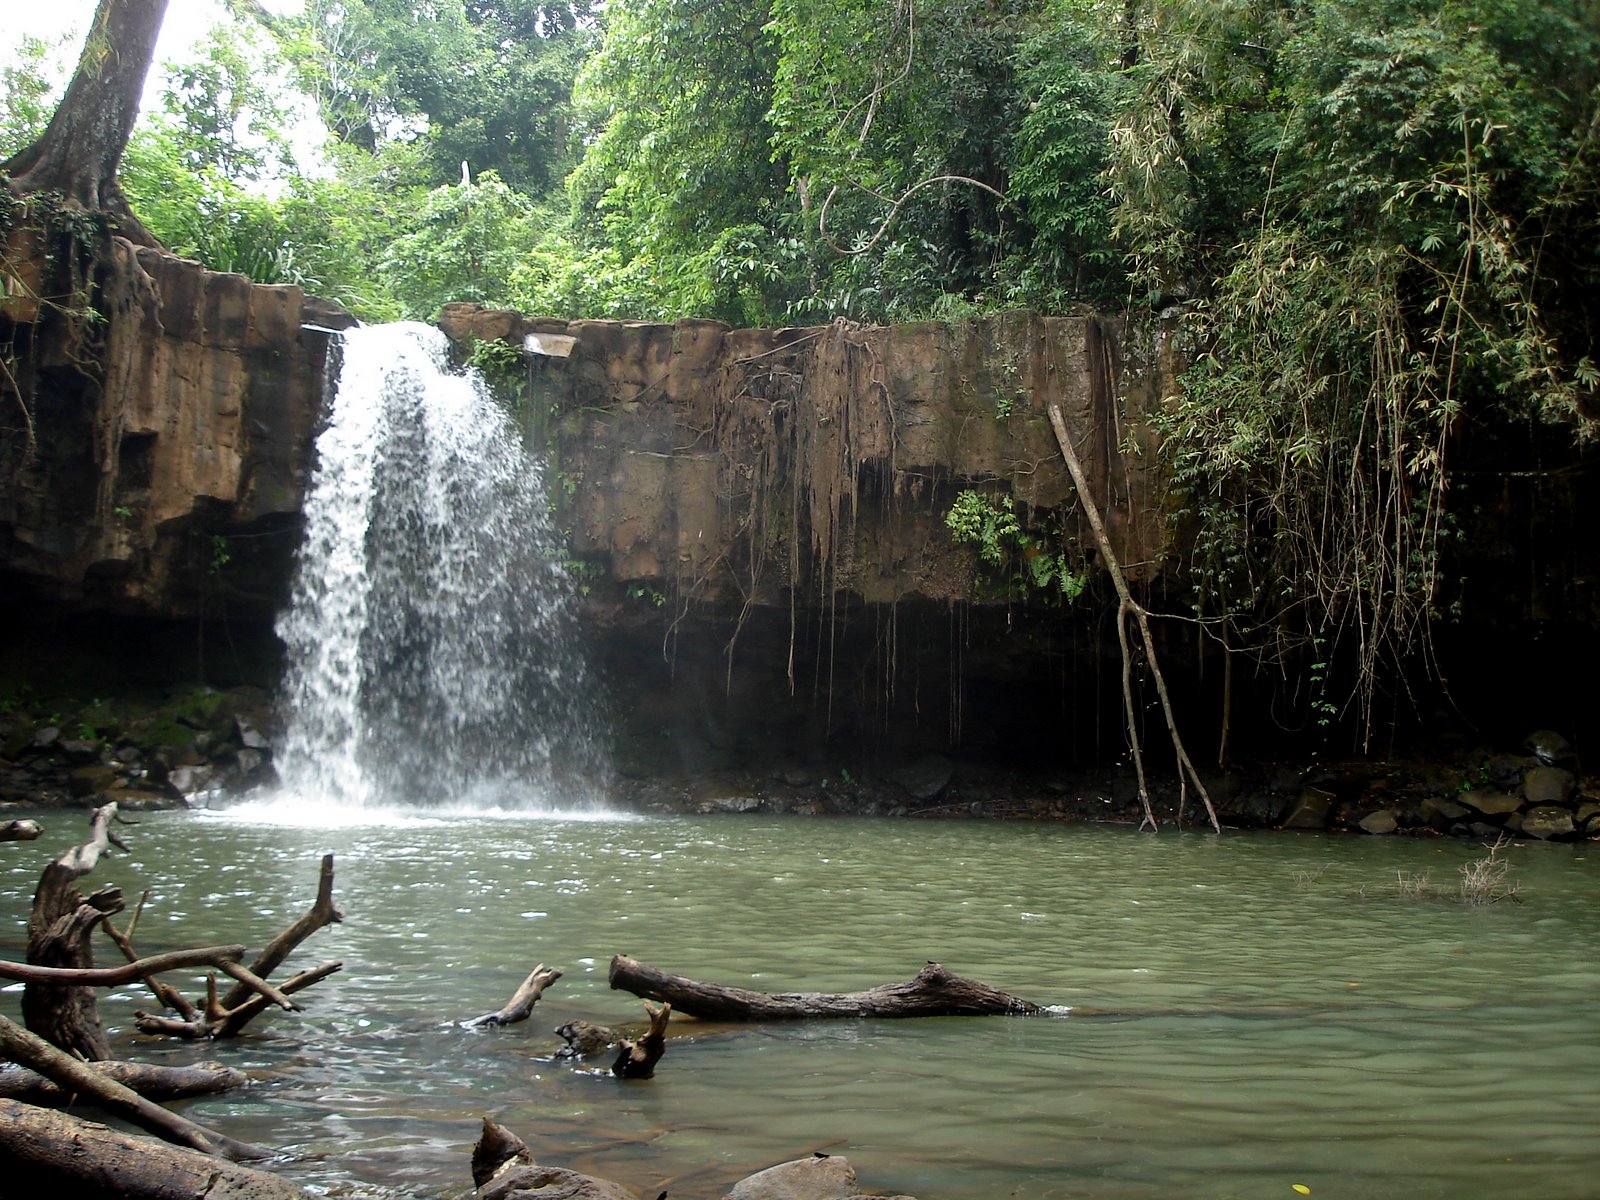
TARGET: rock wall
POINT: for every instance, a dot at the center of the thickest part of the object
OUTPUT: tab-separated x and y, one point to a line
157	425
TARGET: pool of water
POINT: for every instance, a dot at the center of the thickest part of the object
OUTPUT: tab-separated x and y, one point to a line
1281	1014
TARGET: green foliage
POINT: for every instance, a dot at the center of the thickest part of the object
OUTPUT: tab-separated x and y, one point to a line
1020	558
30	86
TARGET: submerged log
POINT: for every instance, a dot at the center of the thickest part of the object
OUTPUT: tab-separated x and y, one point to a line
49	1153
584	1039
522	1000
151	1082
935	992
637	1060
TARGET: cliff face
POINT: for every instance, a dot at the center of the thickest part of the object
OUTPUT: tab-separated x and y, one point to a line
743	465
157	425
758	522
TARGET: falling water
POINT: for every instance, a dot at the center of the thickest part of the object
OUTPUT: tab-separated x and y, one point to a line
431	643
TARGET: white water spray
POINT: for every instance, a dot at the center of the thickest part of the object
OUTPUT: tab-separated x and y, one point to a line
430	637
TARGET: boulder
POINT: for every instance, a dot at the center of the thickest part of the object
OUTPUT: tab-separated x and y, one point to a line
1442	813
1311	810
1547	821
533	1182
714	800
1382	821
1550	748
1490	803
820	1177
1548	785
189	780
925	778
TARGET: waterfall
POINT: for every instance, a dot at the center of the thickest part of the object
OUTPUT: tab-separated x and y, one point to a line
431	639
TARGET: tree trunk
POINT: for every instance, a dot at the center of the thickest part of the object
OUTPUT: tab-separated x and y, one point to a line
638	1059
935	992
52	1154
58	936
78	154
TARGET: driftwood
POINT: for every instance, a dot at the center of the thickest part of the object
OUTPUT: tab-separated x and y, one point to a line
151	1082
48	1153
637	1060
251	993
89	1084
935	992
522	1000
200	956
59	929
19	831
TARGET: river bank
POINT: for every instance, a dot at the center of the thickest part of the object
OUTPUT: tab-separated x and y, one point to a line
196	747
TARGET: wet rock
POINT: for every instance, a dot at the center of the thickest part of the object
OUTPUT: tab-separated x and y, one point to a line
1548	785
1550	748
1490	803
800	776
250	737
1587	811
1380	822
83	782
1547	821
1481	830
192	779
46	737
79	750
924	779
1442	813
250	764
1504	771
714	800
532	1182
825	1177
1310	810
127	755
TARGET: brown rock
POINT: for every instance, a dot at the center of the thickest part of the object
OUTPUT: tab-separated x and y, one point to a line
828	1177
1547	821
1488	802
1548	785
1311	810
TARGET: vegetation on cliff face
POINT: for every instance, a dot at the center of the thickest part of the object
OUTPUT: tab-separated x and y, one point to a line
1377	217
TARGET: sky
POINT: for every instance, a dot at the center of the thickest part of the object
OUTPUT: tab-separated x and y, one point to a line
187	21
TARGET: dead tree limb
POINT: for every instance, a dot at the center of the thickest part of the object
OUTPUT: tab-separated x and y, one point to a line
251	993
151	1082
1186	767
321	913
33	1052
522	1000
202	956
54	1154
637	1060
935	992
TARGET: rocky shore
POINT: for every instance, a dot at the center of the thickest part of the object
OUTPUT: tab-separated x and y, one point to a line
199	746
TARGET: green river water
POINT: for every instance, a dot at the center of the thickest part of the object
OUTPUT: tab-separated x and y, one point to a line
1272	1030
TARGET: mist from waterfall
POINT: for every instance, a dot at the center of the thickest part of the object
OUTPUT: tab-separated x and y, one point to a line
432	651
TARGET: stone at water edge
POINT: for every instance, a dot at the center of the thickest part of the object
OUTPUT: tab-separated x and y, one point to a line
1548	785
1311	810
1547	821
926	778
1550	748
1490	803
526	1181
829	1177
1382	821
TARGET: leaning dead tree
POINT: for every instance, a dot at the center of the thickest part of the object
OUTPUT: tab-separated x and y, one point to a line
78	154
935	992
1128	607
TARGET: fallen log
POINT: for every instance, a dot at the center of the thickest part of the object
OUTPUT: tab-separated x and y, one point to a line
637	1060
196	1026
49	1153
151	1082
522	1000
935	992
200	956
90	1085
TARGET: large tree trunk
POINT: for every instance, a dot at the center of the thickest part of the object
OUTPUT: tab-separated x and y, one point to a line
52	1154
935	992
59	930
78	154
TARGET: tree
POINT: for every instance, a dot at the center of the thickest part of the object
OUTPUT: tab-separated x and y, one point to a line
80	150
